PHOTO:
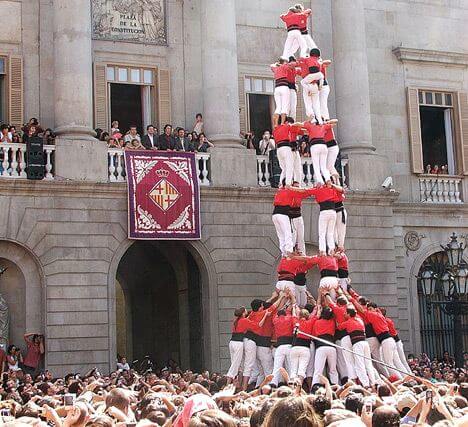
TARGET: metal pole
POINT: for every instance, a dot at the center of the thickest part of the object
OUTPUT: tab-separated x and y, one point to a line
458	334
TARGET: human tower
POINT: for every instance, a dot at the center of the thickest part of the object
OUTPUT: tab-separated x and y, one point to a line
291	336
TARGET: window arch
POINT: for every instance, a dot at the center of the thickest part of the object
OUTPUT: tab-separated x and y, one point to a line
437	327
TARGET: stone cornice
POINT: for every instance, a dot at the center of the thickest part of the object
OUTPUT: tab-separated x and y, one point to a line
407	54
433	208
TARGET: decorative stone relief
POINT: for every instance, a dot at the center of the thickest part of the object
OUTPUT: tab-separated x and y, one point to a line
141	21
413	241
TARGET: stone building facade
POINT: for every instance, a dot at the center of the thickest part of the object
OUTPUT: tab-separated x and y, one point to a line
72	272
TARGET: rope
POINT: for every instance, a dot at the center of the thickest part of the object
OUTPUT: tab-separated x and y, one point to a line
296	331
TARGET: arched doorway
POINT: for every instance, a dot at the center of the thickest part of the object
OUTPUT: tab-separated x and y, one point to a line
158	304
437	327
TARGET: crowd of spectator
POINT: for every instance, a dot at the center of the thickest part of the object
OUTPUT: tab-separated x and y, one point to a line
266	143
169	396
176	139
10	134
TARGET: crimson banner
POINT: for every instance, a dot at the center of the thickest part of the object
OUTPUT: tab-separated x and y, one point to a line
163	195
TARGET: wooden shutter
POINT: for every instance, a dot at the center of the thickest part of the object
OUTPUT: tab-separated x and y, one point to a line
463	133
101	98
415	139
15	91
242	104
164	98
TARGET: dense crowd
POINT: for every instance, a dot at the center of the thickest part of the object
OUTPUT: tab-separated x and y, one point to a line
169	396
10	134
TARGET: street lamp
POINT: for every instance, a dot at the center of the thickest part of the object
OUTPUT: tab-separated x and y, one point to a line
447	289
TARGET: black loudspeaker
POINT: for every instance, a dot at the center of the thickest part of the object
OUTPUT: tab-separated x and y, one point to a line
275	170
35	158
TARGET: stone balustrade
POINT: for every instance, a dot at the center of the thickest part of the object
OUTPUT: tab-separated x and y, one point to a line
116	165
264	171
13	160
439	189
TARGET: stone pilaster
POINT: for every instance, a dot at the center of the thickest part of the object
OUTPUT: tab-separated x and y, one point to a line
78	154
366	168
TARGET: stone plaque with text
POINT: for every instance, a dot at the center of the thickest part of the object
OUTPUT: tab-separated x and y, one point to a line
142	21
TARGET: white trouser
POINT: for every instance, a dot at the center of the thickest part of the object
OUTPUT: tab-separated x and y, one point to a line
343	282
309	111
265	360
313	90
297	174
311	365
250	355
376	353
340	228
401	355
298	234
325	355
293	40
282	99
348	357
364	369
300	293
282	285
319	153
292	103
236	350
329	284
309	43
332	155
281	360
299	359
284	233
286	162
390	356
323	95
326	229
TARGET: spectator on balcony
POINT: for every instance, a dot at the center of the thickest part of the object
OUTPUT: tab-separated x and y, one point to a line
132	134
204	144
113	143
166	140
14	135
266	144
150	140
115	127
195	138
33	123
198	125
104	136
98	133
187	143
249	142
5	136
134	144
435	170
29	132
49	137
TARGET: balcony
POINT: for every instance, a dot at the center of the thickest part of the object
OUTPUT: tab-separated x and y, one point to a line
441	189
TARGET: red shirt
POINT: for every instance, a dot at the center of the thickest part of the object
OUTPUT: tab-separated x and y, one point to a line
324	327
294	131
325	262
283	326
324	194
339	311
313	61
303	69
267	329
294	21
305	325
284	197
256	317
378	322
343	262
329	135
316	131
323	69
306	13
33	355
281	71
294	266
353	324
296	202
243	325
281	133
292	73
391	327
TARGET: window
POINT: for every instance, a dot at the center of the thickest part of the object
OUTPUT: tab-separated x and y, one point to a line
260	104
438	131
436	115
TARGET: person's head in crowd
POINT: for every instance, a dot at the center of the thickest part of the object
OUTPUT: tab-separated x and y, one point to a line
104	136
199	117
150	130
256	304
4	129
181	132
292	411
327	313
212	418
354	403
202	137
168	130
385	416
133	130
115	126
266	135
195	136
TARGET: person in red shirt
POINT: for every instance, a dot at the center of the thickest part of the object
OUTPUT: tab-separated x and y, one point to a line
297	221
283	325
301	346
282	136
324	90
294	20
304	31
282	71
325	354
332	154
292	88
312	82
356	330
399	342
340	222
280	217
35	344
343	269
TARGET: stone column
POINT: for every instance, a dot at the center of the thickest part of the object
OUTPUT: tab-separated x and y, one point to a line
231	163
79	155
352	94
